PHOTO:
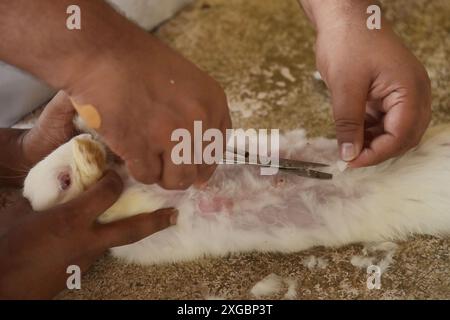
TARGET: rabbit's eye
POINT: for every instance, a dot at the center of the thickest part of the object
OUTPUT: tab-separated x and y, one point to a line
64	180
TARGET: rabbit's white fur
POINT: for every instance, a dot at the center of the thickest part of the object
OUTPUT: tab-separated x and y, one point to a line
241	210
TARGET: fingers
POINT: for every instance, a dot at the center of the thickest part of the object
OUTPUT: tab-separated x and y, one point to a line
204	174
60	105
177	177
96	200
146	171
349	101
58	115
404	125
205	171
160	167
53	128
382	148
133	229
172	175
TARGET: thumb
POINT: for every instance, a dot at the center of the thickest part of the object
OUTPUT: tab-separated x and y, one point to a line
54	127
96	200
58	115
349	110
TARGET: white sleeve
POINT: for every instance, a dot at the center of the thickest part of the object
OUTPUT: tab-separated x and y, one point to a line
20	93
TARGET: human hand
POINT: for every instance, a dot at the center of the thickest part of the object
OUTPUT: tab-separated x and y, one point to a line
142	89
22	149
143	92
381	94
36	248
53	128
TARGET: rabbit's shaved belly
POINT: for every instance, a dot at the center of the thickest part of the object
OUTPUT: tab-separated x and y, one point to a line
245	198
250	200
239	210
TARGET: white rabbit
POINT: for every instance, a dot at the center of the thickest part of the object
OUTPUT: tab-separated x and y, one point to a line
240	210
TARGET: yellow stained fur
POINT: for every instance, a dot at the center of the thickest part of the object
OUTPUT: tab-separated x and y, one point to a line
90	160
132	202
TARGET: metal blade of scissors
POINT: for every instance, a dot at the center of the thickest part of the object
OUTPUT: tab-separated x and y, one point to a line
297	164
282	163
308	173
298	167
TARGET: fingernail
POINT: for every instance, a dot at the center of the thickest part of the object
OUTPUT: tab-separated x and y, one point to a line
173	217
348	152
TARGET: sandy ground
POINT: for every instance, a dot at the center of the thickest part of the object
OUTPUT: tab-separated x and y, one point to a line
262	53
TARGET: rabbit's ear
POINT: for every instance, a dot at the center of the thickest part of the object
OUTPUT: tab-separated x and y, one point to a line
90	159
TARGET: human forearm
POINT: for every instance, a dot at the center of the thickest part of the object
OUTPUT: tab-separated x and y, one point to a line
323	13
22	149
35	37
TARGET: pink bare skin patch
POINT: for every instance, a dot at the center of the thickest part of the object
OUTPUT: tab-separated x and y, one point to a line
210	206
